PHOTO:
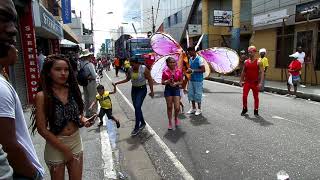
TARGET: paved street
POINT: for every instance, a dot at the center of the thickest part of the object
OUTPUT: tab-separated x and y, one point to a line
223	145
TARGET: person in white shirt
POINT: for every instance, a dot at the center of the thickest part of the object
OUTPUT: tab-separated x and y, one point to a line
14	135
301	55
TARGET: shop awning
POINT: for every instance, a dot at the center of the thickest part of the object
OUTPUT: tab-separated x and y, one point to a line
67	43
69	35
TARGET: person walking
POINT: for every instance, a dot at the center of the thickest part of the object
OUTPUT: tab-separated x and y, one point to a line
172	79
294	70
89	91
138	74
58	115
116	64
40	59
250	80
15	139
103	97
265	62
126	65
195	86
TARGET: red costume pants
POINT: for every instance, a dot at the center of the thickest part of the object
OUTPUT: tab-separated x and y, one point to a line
255	90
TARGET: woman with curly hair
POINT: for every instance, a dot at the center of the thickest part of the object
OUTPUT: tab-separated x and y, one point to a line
58	115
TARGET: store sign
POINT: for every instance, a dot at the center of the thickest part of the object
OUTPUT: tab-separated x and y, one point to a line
222	18
311	8
66	11
49	23
194	29
86	39
270	18
55	46
28	41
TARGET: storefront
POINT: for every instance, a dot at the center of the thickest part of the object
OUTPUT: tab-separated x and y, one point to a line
48	30
281	31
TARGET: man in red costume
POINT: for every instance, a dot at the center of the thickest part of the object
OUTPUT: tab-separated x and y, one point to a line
251	78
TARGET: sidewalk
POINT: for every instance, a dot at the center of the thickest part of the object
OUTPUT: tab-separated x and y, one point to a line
309	92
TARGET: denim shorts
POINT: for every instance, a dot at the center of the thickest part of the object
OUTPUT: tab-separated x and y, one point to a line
171	91
195	90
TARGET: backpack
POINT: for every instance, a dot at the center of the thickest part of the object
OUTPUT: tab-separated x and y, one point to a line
82	77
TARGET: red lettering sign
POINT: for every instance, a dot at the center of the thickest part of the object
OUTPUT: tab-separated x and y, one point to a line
29	52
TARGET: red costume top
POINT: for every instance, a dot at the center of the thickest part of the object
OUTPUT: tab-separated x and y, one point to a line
251	71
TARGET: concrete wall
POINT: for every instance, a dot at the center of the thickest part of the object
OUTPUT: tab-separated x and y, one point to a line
262	6
166	9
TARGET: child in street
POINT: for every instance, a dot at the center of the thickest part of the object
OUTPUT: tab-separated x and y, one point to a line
105	104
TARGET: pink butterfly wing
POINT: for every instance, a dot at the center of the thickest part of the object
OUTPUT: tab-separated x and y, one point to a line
223	60
163	44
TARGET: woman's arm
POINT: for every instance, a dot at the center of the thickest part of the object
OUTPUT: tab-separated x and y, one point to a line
125	80
150	81
41	124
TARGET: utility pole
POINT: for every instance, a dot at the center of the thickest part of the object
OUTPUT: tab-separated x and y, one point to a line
153	25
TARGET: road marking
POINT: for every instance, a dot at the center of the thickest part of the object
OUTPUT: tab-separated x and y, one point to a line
294	122
183	171
106	151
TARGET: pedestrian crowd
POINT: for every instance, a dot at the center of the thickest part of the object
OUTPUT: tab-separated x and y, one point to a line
60	110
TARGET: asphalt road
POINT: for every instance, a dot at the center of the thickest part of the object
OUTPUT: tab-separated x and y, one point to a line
221	144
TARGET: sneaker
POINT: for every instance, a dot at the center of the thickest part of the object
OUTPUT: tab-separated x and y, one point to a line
142	126
198	112
135	132
256	112
191	111
244	111
169	127
100	124
177	122
118	124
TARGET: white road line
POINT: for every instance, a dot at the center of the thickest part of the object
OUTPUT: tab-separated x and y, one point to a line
106	151
284	119
269	93
183	171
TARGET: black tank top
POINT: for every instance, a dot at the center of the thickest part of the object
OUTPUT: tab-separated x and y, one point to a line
65	113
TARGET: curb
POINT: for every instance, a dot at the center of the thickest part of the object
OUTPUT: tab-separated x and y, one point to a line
312	97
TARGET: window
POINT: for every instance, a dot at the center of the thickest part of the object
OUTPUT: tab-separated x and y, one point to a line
317	64
285	44
175	18
304	39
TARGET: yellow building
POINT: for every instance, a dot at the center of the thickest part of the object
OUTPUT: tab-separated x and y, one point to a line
281	28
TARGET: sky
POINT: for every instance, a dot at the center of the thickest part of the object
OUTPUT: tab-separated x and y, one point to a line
105	24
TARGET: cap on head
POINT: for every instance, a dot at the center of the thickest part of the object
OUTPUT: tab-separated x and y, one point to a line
262	50
252	49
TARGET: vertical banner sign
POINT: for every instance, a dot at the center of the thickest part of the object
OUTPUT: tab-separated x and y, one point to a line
55	46
66	11
28	41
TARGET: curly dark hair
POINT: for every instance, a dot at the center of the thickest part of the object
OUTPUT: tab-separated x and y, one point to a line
45	86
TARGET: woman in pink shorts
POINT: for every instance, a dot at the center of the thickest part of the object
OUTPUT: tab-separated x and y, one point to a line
172	79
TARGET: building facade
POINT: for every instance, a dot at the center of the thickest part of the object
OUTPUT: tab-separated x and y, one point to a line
282	25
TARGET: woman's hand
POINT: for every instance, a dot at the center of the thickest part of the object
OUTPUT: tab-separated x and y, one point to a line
88	122
68	155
